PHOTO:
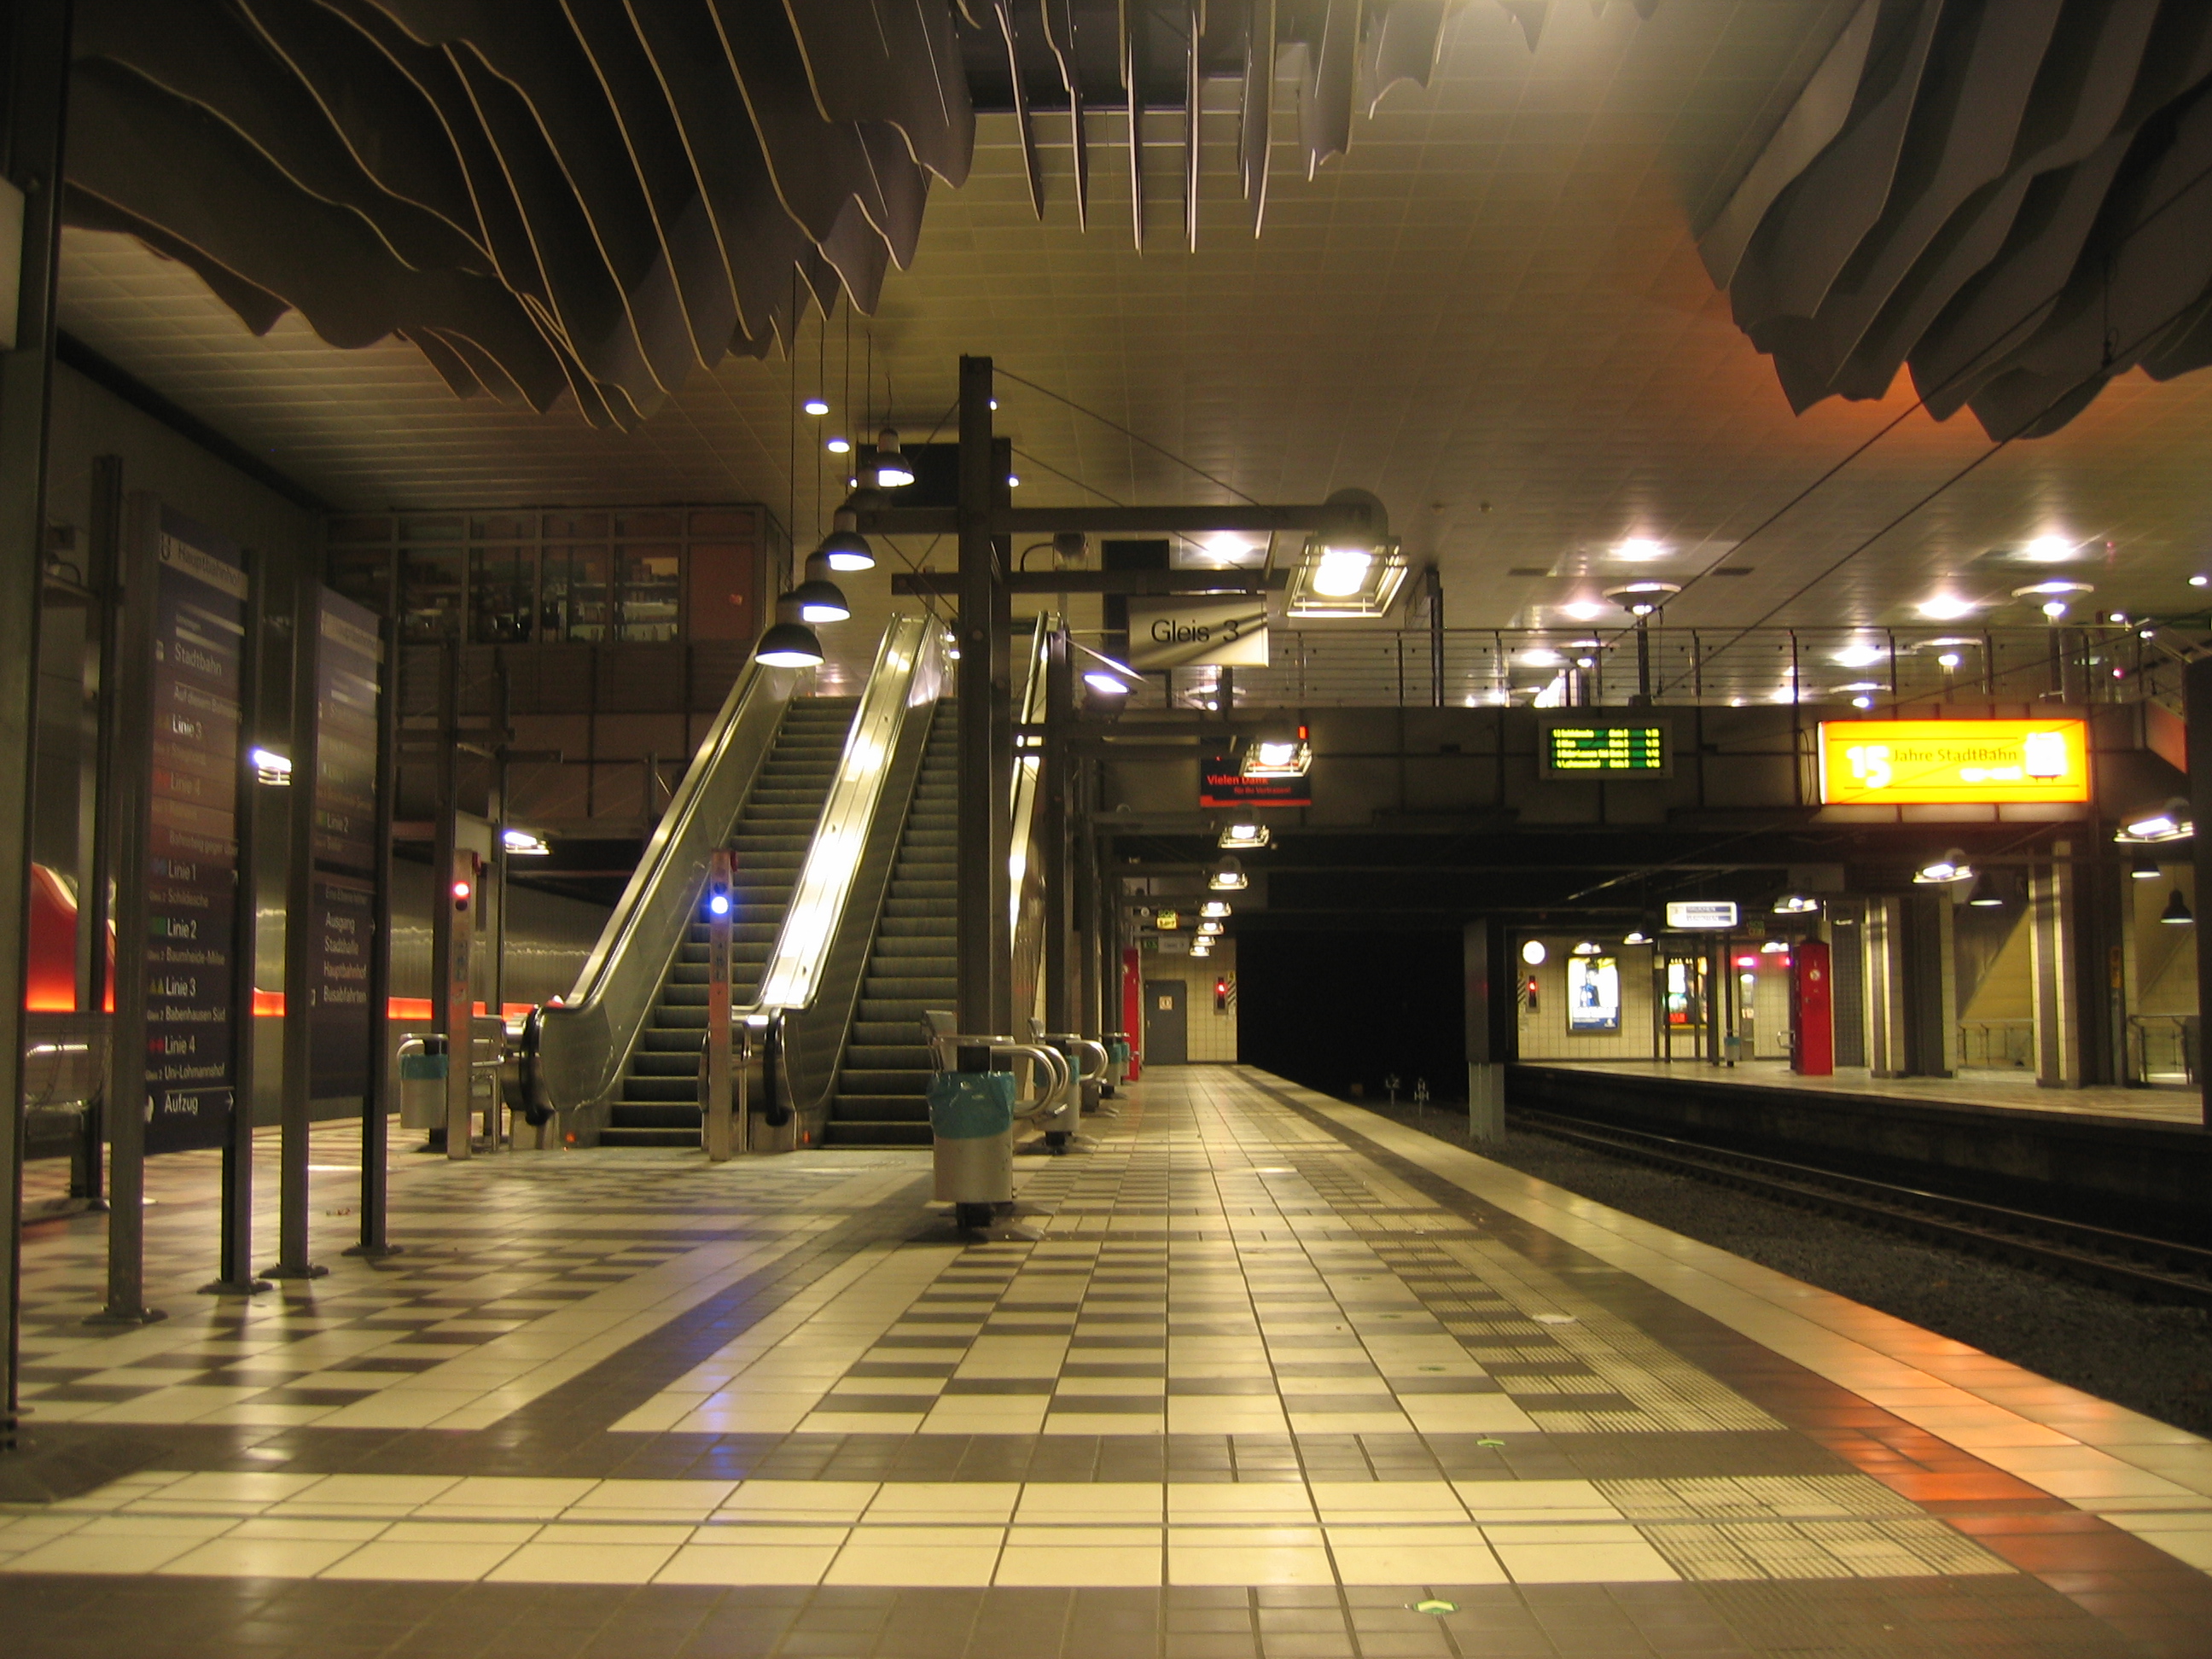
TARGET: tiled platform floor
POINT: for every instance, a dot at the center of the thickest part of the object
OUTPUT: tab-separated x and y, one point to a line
1261	1374
2008	1091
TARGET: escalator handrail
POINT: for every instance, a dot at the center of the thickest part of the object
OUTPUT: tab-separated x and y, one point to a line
908	673
586	1039
1025	923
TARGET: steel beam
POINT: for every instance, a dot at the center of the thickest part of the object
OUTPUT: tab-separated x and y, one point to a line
1132	584
982	889
1352	518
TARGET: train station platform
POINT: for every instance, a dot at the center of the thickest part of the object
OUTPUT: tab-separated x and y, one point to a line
1992	1090
1263	1374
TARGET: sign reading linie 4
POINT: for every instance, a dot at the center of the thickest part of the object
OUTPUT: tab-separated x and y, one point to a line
1968	762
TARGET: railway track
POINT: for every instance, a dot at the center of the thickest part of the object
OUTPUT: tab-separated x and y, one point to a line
2149	1269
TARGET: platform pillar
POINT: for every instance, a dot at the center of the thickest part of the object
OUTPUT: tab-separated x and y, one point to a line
1493	988
2197	706
2053	905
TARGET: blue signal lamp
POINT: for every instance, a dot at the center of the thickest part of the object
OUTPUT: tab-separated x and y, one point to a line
718	905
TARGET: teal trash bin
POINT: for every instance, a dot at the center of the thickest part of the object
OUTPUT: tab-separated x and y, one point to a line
971	1128
422	1085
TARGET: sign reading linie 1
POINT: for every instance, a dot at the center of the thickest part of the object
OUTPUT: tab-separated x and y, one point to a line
1199	633
1969	763
1572	747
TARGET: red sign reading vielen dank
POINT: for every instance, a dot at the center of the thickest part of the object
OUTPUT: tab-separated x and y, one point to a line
1232	788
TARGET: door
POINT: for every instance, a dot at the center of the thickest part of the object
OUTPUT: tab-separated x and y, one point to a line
1167	1036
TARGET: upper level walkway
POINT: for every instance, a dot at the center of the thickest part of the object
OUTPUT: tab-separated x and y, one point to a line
1263	1374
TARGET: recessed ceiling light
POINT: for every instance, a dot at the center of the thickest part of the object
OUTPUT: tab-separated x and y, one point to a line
1945	607
2048	550
1640	550
1583	611
2038	589
1858	656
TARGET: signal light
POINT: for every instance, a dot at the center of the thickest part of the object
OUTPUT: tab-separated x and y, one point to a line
461	891
718	905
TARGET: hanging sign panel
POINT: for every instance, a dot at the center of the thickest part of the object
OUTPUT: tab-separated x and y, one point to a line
1569	748
1220	784
1710	916
192	875
1953	763
349	670
1199	633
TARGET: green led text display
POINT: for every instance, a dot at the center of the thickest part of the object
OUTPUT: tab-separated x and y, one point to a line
1605	749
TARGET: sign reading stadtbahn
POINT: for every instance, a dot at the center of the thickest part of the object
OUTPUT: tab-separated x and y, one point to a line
1944	763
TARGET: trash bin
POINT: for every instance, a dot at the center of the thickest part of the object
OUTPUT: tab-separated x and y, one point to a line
1117	1069
971	1126
422	1083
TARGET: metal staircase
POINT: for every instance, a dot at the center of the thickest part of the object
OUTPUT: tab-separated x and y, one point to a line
657	1105
911	965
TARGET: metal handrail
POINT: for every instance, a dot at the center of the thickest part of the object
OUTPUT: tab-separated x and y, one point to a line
585	1040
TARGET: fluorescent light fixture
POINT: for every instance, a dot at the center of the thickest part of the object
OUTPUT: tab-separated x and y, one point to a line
1246	834
271	768
2172	822
1945	607
1228	877
1278	756
1214	910
520	843
815	406
1951	866
2056	587
1534	953
1795	904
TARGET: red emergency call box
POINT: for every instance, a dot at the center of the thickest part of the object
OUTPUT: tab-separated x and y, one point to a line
1812	1010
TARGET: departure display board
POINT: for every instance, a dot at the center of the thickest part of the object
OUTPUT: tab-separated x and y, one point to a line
1572	748
1969	763
191	876
1227	787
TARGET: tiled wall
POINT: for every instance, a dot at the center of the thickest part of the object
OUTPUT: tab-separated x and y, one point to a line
1212	1036
1545	1035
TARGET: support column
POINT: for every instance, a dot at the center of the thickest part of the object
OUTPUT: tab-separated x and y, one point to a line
2197	709
297	1111
982	884
234	1275
95	829
1055	786
1931	985
383	1084
1493	996
2053	903
37	74
1885	988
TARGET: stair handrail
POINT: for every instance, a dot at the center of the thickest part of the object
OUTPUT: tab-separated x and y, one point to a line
1025	886
585	1039
908	673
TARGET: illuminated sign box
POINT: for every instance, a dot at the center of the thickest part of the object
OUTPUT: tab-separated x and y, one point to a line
1709	915
1218	786
1572	748
1953	763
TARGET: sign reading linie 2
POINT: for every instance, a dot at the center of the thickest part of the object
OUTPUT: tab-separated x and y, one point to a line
1970	762
1226	633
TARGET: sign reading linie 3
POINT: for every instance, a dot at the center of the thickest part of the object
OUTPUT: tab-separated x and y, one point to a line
1963	762
1227	632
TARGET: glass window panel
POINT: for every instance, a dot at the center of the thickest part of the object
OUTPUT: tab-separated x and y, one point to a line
432	528
503	608
431	591
651	583
575	526
641	526
722	521
504	527
572	595
360	576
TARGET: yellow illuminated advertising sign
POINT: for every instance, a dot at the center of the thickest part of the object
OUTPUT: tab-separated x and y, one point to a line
1977	762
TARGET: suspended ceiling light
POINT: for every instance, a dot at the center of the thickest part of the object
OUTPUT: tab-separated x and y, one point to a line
1209	929
1952	867
271	768
2145	868
815	406
1533	953
790	643
1246	834
1794	904
844	548
1643	599
1636	936
891	470
1105	675
1346	572
1588	947
838	444
817	598
1215	909
1985	895
2176	913
1201	948
1228	877
520	843
2172	822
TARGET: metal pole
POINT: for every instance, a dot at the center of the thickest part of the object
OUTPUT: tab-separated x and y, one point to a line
131	711
459	900
95	864
234	1275
1436	637
979	808
2197	705
37	75
495	810
719	916
1643	661
376	1109
1053	787
300	928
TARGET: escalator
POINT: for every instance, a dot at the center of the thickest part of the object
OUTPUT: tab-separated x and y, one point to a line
912	966
659	1101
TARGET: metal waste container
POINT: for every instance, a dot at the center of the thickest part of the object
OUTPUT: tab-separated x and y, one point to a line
422	1082
971	1126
